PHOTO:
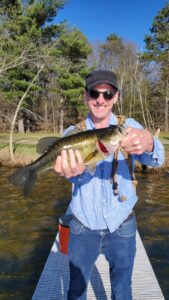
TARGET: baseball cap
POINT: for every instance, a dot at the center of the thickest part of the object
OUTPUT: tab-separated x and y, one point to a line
101	76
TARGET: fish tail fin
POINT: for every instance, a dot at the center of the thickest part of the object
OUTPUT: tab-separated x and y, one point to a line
24	177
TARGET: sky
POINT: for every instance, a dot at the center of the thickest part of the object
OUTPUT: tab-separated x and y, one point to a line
97	19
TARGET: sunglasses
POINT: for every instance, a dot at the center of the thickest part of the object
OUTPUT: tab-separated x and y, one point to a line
107	95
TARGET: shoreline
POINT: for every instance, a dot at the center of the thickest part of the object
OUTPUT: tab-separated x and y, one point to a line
26	159
25	152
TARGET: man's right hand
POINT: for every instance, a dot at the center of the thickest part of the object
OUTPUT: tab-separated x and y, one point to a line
69	163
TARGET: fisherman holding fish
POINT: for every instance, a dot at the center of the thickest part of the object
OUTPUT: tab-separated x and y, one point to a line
97	157
103	221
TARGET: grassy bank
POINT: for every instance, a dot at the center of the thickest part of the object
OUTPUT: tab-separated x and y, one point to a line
25	148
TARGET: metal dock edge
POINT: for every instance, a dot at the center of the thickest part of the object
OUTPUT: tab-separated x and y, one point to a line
53	283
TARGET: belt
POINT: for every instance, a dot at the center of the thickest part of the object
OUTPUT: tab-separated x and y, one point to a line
126	220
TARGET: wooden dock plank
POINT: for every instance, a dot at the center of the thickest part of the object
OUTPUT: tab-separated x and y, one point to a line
53	283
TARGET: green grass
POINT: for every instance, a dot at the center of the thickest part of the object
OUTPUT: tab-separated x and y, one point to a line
24	146
164	135
2	145
24	141
25	137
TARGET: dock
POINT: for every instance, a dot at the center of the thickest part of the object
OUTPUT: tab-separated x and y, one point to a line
53	282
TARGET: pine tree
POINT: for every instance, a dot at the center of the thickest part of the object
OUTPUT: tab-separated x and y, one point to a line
157	46
28	36
75	48
23	45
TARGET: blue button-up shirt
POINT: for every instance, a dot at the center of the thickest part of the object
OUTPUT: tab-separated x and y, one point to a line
93	202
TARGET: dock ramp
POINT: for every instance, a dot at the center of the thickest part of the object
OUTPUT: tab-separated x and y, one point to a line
53	282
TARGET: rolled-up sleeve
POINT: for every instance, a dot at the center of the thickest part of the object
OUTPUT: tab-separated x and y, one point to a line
154	158
81	179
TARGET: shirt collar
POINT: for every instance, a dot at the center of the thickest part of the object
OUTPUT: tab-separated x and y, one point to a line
90	125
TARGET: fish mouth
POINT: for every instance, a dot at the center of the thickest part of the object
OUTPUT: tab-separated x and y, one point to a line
107	149
112	148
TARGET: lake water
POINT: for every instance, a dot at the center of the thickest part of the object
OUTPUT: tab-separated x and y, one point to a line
28	227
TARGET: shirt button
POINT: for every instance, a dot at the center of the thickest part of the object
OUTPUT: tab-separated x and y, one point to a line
104	200
105	216
123	198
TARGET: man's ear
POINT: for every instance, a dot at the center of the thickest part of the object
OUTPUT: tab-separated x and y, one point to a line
115	98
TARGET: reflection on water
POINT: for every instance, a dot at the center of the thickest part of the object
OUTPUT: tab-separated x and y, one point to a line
28	227
152	212
27	230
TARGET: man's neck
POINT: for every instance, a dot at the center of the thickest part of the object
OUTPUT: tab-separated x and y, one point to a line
101	123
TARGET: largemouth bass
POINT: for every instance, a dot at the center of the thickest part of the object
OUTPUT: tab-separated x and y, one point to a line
94	145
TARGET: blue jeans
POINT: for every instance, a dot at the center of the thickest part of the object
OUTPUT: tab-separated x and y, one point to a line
119	249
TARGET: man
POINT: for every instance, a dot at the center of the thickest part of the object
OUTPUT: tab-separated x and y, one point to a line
102	221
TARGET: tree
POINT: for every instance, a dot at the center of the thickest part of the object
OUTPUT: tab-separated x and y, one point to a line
122	58
157	45
24	45
28	37
75	48
24	49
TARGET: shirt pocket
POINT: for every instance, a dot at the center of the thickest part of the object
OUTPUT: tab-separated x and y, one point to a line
76	227
127	229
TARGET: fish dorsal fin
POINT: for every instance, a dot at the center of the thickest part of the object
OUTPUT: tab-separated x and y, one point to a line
91	168
45	143
72	131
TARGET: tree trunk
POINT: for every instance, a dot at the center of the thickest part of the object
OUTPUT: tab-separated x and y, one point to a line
46	116
53	118
142	107
27	127
16	113
166	113
21	127
166	105
61	121
121	88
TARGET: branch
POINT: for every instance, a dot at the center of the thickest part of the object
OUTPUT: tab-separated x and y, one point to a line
17	110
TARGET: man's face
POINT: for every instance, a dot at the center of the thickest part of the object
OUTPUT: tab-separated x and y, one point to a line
101	108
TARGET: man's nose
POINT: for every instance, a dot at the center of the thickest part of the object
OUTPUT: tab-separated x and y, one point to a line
100	99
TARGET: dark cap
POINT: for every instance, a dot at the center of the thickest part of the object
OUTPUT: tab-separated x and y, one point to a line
100	76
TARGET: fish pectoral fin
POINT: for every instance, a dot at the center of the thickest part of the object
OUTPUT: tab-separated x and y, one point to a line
91	161
91	169
90	156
